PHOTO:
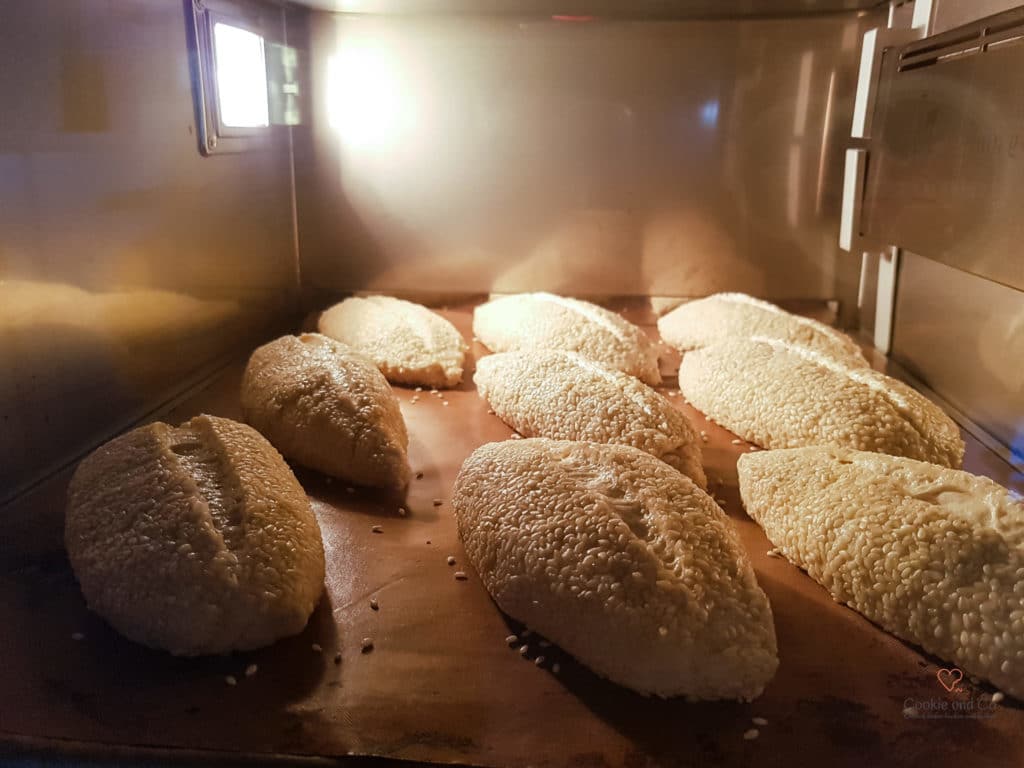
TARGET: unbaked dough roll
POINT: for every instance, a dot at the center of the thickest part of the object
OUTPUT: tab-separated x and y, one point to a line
622	561
728	315
780	395
327	407
409	343
933	555
534	321
196	539
567	397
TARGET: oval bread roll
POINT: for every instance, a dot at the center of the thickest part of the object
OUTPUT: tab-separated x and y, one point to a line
567	397
409	343
727	315
622	561
533	321
328	408
933	555
196	539
781	395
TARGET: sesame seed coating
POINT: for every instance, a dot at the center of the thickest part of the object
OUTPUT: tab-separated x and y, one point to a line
598	546
723	316
196	539
409	343
933	555
534	321
780	395
327	407
564	396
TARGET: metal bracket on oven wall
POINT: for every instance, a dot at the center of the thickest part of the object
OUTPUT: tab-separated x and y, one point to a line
885	301
876	59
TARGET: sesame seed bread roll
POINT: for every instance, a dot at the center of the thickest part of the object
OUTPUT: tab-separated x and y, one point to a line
410	344
567	397
196	539
622	561
781	395
726	315
933	555
533	321
327	407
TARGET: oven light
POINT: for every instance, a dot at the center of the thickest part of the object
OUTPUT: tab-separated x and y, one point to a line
368	103
241	77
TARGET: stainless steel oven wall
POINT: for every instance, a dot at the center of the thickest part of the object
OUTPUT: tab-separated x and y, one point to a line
128	262
964	336
945	184
630	157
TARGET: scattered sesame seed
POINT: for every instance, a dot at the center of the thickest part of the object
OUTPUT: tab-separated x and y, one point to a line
451	559
77	636
403	511
663	631
773	553
367	645
438	502
997	697
415	399
556	668
511	639
752	734
374	605
419	389
251	670
317	648
377	529
433	391
491	411
516	436
523	650
231	680
704	438
419	475
444	402
461	576
539	660
337	658
753	448
758	721
735	441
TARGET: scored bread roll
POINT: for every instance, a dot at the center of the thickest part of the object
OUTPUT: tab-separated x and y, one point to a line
726	315
567	397
409	343
933	555
622	561
780	395
327	407
196	539
534	321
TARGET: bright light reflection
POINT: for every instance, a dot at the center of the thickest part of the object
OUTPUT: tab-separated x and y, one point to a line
366	102
241	77
709	113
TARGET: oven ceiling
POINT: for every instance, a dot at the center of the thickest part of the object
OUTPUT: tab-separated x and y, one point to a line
666	9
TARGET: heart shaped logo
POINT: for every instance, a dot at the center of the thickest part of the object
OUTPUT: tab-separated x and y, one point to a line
948	678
